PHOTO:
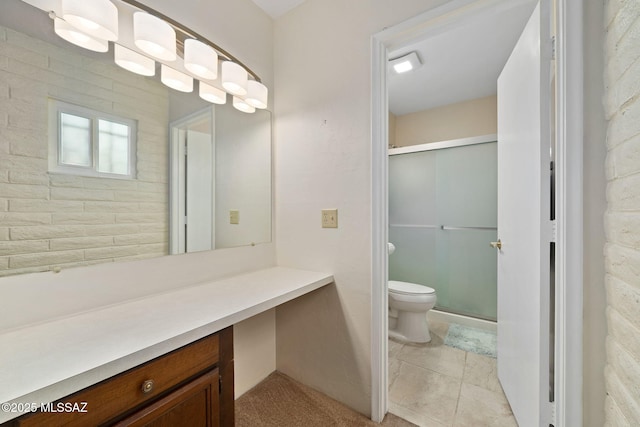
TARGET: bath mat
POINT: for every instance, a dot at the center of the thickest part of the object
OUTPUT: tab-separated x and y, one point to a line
474	340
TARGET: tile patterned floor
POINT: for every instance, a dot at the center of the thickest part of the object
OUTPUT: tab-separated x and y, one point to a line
433	385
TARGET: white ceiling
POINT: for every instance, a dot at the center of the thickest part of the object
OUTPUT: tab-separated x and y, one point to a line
459	64
277	8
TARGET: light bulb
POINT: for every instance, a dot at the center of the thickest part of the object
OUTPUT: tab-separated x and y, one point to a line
133	61
256	94
212	94
239	104
77	37
175	79
154	36
200	59
97	18
234	78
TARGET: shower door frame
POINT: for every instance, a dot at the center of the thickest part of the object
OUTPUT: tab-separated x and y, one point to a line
441	145
569	193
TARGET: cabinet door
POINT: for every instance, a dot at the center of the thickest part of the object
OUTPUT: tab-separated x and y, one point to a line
195	404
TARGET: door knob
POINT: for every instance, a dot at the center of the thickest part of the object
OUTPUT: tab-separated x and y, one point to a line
496	245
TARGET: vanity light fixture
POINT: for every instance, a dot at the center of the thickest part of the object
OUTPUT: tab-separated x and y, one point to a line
97	18
241	105
176	79
77	37
200	59
154	36
405	63
92	24
257	94
234	78
133	61
212	94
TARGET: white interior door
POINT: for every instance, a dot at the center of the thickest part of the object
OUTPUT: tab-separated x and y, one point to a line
199	192
524	224
192	187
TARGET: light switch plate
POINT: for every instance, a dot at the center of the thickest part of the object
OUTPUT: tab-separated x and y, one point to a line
329	218
234	216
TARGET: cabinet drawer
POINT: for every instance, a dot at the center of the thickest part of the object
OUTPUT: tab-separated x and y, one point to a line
192	405
120	394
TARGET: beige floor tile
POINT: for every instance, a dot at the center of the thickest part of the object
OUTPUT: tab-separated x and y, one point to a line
423	379
394	370
426	393
439	358
480	407
438	331
394	348
482	371
414	417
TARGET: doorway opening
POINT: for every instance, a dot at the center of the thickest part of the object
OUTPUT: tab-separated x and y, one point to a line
193	183
388	45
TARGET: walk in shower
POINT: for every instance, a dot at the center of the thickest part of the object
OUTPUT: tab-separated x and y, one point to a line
442	216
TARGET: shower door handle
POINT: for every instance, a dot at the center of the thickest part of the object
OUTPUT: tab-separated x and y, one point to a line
496	245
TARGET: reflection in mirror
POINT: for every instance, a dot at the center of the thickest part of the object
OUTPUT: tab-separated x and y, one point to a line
110	201
220	145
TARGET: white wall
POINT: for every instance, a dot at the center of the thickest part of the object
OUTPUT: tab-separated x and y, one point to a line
465	119
243	163
622	220
323	156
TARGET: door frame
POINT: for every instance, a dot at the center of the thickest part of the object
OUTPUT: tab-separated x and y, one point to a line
176	178
568	199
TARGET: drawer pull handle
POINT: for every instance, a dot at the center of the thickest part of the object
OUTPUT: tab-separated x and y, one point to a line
147	386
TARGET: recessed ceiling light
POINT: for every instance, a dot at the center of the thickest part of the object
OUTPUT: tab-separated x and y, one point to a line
405	63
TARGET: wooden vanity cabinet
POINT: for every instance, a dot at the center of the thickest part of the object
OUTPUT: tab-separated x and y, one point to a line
191	386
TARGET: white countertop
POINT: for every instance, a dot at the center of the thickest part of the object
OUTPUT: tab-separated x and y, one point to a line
48	360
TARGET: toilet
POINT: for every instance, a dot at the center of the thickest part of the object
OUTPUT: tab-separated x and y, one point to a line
410	302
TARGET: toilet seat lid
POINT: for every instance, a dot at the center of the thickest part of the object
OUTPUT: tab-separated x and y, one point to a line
409	288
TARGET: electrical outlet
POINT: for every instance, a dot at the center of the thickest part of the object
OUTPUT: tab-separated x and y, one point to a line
329	218
234	216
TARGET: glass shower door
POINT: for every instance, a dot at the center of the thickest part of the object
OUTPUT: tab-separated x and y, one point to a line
442	216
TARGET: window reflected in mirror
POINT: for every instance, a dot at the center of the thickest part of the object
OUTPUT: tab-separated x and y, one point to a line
86	165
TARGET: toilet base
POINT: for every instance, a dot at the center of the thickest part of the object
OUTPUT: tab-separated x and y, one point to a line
411	327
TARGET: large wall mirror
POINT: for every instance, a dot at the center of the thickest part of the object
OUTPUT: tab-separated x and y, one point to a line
98	164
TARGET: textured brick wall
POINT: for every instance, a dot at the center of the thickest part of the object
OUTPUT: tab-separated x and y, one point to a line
49	219
622	220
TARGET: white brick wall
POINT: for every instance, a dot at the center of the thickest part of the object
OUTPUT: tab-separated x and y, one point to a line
622	220
51	220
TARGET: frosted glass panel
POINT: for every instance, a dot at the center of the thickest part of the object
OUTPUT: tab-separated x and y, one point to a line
414	259
113	146
442	216
75	140
467	185
412	188
467	270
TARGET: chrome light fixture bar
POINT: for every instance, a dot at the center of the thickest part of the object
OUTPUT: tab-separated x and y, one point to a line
183	33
